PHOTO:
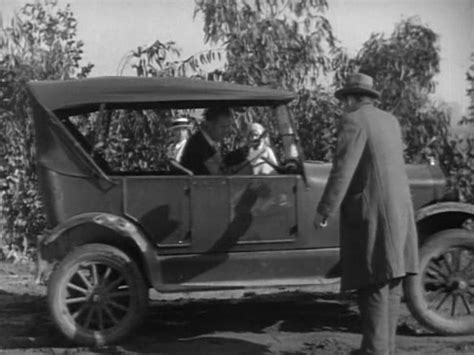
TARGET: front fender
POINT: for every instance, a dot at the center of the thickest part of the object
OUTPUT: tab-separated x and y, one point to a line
444	207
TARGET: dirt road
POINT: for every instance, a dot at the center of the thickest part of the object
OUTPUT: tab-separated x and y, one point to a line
286	323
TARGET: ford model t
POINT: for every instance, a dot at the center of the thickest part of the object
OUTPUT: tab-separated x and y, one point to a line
116	233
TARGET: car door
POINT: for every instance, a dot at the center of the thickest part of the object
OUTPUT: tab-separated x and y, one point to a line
263	211
240	213
162	206
241	227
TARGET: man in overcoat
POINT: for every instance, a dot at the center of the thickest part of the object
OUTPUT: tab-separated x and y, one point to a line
368	182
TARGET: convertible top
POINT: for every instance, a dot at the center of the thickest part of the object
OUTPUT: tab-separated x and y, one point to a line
83	95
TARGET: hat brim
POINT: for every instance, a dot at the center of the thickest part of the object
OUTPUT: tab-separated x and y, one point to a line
342	93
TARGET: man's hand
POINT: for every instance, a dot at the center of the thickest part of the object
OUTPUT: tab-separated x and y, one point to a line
320	221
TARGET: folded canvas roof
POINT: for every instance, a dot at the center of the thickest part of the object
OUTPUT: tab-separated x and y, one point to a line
126	92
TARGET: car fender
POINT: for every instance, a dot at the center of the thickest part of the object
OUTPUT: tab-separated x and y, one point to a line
122	226
443	207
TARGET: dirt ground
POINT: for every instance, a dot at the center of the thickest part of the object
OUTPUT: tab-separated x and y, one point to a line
286	323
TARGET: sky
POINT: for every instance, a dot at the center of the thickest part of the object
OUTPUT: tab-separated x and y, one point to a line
111	28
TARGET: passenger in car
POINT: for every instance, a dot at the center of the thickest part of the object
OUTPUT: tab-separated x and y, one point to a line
180	126
201	154
261	155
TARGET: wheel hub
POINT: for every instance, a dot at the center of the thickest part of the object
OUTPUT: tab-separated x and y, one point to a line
462	285
96	298
458	284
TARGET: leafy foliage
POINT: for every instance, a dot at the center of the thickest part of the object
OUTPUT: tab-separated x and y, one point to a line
470	92
40	43
277	43
263	39
282	44
163	60
128	140
404	66
459	155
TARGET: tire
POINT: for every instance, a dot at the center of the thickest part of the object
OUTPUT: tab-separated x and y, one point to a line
441	296
97	295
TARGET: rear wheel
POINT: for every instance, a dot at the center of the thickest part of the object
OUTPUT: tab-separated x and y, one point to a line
97	295
441	296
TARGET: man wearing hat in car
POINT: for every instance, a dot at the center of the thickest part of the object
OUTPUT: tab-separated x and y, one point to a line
369	184
180	126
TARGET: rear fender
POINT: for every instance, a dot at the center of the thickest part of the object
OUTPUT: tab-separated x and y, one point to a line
100	228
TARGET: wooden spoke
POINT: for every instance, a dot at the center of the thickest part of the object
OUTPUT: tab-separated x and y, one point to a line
95	276
77	288
110	314
106	275
76	300
84	279
118	305
79	311
122	293
442	301
89	317
436	279
436	270
466	304
114	284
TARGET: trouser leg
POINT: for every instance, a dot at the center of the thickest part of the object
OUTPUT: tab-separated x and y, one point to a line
394	297
374	311
379	308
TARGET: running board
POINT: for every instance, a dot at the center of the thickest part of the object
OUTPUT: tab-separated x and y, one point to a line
218	289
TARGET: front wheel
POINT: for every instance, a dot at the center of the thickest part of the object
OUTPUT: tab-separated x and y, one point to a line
97	295
441	296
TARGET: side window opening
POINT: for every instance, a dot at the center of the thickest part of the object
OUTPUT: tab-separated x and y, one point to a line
126	141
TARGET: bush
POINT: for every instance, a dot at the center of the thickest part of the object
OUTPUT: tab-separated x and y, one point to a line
39	44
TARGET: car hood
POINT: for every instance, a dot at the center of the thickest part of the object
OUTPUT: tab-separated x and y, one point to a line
427	182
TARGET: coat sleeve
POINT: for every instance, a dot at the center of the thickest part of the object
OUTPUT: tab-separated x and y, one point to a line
350	146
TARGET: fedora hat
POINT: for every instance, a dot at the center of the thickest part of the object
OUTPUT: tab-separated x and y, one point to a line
180	122
360	84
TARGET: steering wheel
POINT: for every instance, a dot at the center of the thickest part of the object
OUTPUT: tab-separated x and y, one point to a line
290	166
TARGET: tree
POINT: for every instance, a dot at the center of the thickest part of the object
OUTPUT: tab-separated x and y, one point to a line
39	44
404	66
470	92
459	155
285	44
162	59
282	44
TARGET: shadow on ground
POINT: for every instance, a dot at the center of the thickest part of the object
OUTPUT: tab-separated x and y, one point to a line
245	326
182	328
193	327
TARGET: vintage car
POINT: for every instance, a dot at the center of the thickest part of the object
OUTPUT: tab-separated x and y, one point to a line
116	234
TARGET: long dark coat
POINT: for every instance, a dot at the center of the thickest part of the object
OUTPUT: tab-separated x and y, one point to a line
368	181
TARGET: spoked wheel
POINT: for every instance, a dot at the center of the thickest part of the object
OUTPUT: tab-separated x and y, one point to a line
97	295
441	297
